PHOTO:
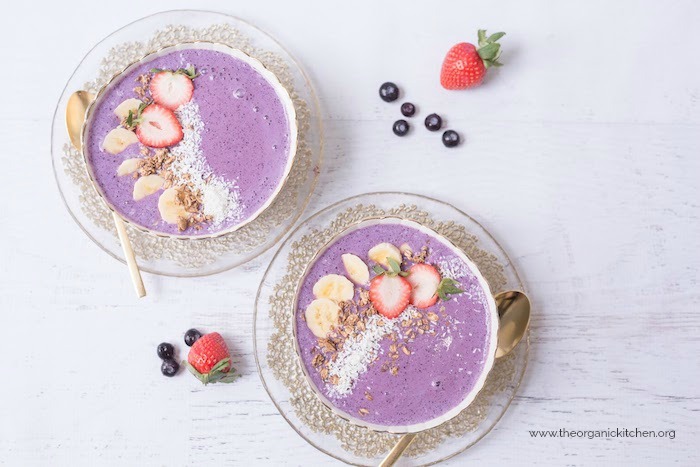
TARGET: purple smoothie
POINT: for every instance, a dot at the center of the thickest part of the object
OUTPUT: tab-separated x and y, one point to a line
443	367
245	141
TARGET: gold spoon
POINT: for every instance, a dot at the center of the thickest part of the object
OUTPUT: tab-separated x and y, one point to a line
514	318
77	105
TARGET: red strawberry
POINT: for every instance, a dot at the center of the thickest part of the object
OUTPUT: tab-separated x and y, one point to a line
171	89
158	127
209	360
428	286
425	280
465	66
389	295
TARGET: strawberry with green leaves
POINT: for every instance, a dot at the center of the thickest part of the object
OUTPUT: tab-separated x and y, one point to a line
427	286
465	65
210	361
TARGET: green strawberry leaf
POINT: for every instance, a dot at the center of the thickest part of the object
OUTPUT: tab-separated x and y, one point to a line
132	120
482	37
216	374
378	269
489	51
190	71
494	37
129	120
395	266
448	287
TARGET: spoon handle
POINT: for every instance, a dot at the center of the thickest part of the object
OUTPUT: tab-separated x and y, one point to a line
398	450
129	255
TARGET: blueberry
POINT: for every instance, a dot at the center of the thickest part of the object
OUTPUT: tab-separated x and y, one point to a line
400	127
191	336
408	109
389	92
169	367
450	138
433	122
165	350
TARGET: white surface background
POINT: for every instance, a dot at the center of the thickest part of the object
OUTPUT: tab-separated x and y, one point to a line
581	157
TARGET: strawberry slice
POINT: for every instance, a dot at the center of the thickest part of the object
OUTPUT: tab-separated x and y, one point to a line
425	280
171	89
389	295
428	286
158	127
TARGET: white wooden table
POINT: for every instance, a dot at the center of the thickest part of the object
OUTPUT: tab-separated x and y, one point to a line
581	157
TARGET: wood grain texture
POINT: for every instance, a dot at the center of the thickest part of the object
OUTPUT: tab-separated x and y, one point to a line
581	157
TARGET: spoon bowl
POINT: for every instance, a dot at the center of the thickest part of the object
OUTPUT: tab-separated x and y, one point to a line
76	108
514	319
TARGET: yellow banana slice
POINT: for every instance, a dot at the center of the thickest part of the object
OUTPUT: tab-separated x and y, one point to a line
380	253
169	207
119	139
129	166
147	185
356	268
335	287
321	316
122	110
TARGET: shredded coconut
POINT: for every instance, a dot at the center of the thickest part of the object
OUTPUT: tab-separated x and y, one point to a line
454	268
359	352
220	197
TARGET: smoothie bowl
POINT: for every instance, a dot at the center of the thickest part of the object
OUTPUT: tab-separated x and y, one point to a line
192	141
395	328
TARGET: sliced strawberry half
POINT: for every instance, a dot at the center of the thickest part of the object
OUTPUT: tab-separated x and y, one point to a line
158	127
171	89
389	295
425	280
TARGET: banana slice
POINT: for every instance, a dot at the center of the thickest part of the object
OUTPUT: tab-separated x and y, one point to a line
356	268
147	185
122	110
169	207
129	166
321	316
335	287
118	139
380	253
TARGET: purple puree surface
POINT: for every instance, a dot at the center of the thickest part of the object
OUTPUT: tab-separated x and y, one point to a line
245	140
438	375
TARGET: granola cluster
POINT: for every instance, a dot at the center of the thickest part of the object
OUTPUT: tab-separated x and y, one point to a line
142	91
352	321
159	162
417	258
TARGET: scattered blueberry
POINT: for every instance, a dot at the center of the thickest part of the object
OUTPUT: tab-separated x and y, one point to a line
408	109
450	138
389	92
169	367
191	336
165	350
400	127
433	122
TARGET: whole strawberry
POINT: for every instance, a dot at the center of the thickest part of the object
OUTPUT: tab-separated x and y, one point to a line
465	66
210	361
